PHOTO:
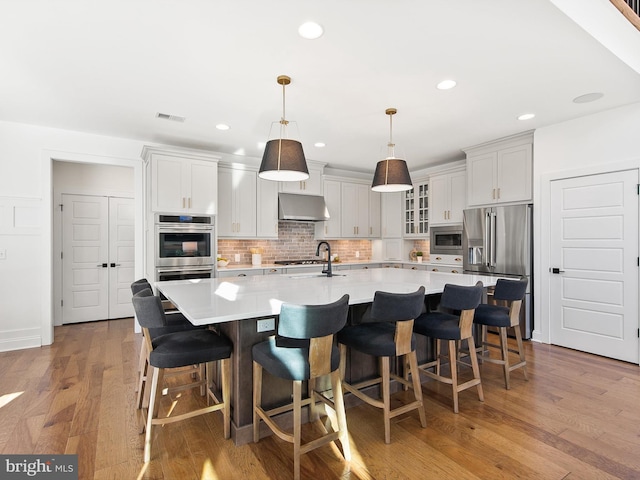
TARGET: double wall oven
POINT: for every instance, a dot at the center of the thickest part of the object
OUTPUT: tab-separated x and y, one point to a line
184	246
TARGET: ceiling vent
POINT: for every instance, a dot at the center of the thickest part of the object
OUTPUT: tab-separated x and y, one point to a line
173	118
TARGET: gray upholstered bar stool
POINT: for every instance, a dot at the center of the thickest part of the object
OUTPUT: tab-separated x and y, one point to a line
180	349
303	350
389	333
504	314
175	322
453	328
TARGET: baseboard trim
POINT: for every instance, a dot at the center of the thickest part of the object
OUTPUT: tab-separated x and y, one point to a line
20	339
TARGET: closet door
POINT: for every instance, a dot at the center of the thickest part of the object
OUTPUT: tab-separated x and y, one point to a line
97	257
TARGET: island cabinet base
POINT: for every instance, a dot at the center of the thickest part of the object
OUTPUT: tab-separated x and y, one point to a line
277	391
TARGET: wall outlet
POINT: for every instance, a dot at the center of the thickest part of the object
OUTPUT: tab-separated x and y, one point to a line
357	254
236	258
265	325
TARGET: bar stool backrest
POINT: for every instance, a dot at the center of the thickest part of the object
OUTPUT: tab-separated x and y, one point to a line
457	297
312	321
392	307
148	308
140	285
510	290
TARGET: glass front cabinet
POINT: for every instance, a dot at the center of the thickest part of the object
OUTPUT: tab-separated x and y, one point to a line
416	210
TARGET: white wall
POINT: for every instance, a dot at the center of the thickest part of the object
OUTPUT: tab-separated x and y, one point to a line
589	145
26	207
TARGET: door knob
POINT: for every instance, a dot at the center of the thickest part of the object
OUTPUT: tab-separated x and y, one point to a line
556	270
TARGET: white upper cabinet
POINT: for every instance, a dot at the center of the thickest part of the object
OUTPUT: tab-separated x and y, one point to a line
355	210
375	201
500	171
267	209
310	186
447	197
333	199
182	182
237	196
416	211
391	215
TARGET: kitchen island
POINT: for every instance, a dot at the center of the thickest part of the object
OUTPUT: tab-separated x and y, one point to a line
235	305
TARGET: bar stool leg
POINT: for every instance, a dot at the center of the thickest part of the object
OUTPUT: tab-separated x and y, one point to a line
523	360
453	366
154	405
257	399
338	400
412	360
475	367
225	367
504	349
297	427
386	400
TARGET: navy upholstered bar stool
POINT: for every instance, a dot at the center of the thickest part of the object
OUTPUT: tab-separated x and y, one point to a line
504	314
180	349
303	350
388	334
453	328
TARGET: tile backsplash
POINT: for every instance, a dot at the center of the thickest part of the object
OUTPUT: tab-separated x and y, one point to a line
295	241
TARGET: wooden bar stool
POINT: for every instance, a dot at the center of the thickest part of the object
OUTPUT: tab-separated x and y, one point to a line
175	322
303	350
504	314
180	349
453	328
389	334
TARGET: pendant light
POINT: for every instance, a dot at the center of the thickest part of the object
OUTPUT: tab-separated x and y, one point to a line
283	159
392	174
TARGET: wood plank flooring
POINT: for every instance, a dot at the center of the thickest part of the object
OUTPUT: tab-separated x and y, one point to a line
577	418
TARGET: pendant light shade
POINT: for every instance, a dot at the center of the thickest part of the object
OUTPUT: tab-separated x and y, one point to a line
392	174
283	159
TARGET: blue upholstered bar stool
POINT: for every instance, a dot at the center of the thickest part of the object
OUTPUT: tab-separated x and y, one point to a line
453	328
180	349
303	350
389	333
504	314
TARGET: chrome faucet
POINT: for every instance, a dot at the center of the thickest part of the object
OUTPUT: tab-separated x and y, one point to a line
328	270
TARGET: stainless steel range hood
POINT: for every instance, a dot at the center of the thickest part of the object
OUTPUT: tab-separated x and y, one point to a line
307	208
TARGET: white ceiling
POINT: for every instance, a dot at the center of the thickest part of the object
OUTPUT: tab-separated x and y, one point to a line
108	67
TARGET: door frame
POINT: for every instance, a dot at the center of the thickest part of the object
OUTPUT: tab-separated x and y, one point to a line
542	240
48	209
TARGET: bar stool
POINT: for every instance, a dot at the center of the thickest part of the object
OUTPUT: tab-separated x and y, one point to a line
180	349
389	334
176	322
453	328
505	314
303	350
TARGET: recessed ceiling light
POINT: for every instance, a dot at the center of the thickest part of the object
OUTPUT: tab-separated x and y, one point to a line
222	126
526	116
588	97
319	145
446	85
310	30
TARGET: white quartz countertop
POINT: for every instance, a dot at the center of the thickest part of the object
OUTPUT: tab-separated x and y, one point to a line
216	300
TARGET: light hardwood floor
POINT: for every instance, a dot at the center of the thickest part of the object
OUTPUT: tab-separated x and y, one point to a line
577	418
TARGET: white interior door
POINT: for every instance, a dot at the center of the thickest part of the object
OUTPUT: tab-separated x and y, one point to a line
594	251
85	257
98	257
121	256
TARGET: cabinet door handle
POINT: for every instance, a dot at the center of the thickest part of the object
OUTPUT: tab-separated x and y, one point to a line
493	194
189	202
435	270
184	203
498	192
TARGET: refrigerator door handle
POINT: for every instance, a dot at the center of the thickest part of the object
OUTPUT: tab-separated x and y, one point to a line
492	239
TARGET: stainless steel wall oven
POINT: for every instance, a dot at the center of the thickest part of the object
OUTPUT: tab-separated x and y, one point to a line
184	240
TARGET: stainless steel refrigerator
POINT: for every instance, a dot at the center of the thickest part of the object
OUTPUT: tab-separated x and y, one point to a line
498	241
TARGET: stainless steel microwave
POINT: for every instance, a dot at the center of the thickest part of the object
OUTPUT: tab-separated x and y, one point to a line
446	240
